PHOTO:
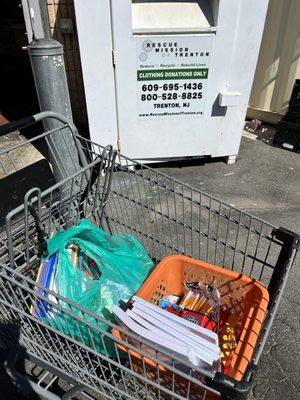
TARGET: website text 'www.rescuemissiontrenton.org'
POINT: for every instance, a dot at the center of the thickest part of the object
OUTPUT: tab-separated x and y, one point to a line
166	113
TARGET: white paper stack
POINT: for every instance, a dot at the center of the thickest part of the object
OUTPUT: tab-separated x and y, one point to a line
199	345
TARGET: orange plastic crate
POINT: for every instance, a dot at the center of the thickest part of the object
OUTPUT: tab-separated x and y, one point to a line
245	298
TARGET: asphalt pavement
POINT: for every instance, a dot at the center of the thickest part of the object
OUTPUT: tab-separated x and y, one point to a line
265	181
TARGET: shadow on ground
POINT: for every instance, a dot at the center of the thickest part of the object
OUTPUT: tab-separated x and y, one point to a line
188	162
14	187
11	355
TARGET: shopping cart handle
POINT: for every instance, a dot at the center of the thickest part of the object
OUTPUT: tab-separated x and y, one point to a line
15	125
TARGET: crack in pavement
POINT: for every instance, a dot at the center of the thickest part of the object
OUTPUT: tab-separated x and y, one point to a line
287	378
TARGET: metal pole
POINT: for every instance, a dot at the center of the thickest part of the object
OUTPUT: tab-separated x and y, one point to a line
47	61
45	18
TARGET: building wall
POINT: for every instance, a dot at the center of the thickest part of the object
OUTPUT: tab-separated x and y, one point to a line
58	9
278	63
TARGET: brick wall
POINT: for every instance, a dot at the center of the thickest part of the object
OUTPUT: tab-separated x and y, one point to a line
58	9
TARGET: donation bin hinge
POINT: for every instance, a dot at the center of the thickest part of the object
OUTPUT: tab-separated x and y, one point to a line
113	55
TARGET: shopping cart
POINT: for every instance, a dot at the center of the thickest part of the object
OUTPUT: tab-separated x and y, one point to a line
167	217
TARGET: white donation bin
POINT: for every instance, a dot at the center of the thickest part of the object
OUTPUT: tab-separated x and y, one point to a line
169	79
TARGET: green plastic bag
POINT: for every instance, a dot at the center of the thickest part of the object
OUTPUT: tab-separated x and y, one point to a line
124	265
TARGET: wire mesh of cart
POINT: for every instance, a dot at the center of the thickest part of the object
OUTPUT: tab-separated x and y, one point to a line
168	217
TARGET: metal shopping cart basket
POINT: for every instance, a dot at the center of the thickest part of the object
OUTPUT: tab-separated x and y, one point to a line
167	217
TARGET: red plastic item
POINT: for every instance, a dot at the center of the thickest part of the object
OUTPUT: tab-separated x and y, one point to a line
199	319
172	311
